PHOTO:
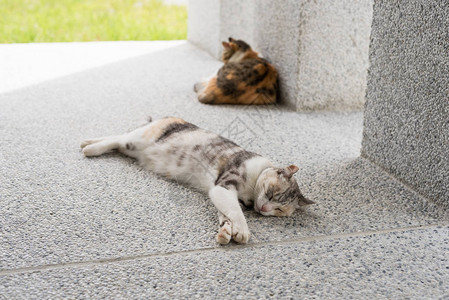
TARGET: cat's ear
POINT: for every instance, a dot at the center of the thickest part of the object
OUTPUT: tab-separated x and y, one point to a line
304	201
226	45
290	170
231	39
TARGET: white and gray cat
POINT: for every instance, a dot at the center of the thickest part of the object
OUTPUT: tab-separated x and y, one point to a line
180	150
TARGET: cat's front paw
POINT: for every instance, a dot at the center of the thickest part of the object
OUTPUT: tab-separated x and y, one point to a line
224	233
240	232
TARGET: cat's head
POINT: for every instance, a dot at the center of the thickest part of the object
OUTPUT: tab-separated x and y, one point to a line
278	192
236	50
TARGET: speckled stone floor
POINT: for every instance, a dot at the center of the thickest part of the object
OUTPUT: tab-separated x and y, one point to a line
72	227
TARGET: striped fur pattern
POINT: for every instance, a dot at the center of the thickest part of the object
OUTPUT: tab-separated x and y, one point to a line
245	78
186	153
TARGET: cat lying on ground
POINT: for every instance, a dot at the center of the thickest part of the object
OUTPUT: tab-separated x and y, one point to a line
245	78
182	151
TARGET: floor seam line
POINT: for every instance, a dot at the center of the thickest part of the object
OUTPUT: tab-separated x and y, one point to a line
99	262
404	183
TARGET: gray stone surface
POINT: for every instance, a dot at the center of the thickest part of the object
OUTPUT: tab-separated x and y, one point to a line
319	47
333	54
277	35
407	112
239	19
59	208
204	25
398	265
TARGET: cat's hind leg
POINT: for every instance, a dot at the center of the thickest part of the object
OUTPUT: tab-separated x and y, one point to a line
93	141
199	86
207	92
99	146
130	143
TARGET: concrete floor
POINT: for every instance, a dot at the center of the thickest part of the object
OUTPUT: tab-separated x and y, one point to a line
72	227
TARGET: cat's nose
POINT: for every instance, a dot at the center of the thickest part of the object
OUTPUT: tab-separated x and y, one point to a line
265	208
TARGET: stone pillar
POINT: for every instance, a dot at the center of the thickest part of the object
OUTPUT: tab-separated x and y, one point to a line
319	47
406	129
204	25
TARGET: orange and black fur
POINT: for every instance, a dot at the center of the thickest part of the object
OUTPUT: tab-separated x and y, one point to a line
245	78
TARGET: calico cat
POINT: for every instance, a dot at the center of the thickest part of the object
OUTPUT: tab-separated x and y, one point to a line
245	78
182	151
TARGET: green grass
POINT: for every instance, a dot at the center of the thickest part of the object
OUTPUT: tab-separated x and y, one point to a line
29	21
